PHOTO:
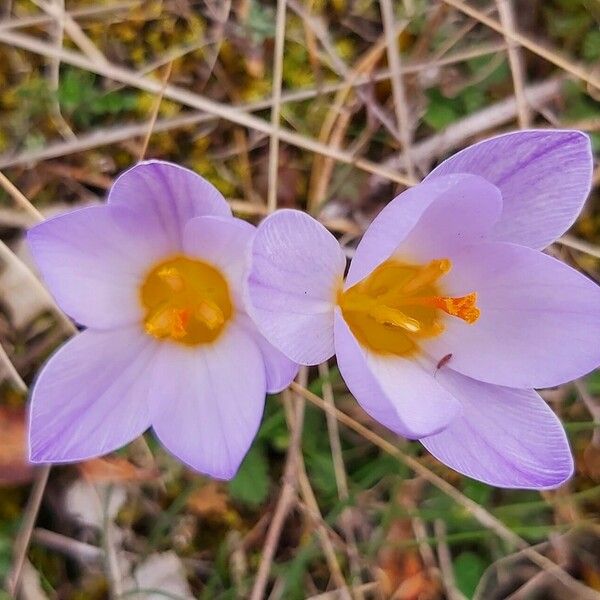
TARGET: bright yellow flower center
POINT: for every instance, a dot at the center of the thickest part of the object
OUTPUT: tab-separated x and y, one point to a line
186	301
399	304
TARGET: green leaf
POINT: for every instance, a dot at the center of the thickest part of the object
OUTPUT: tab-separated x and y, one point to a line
440	111
468	569
251	484
480	492
591	45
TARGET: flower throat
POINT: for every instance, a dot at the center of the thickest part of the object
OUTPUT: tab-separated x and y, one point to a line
186	301
399	304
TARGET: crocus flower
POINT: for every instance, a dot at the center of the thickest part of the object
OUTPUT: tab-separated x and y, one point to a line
156	276
450	315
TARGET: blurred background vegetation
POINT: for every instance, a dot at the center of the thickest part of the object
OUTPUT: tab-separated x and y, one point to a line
355	124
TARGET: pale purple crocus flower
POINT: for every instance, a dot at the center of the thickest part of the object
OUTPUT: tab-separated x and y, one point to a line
156	276
450	315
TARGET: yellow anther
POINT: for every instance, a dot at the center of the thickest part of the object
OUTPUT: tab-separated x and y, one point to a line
210	314
427	275
395	318
186	301
172	277
399	304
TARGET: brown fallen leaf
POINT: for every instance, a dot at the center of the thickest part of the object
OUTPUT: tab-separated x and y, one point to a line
114	469
210	499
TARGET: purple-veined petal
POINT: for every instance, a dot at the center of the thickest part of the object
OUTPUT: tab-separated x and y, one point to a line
280	370
92	396
414	219
400	393
207	401
297	269
539	324
504	437
93	261
463	215
544	176
223	242
168	194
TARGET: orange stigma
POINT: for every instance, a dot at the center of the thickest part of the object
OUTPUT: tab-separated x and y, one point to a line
399	304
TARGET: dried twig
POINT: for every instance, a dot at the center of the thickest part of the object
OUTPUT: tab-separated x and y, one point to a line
285	501
339	470
445	560
81	13
398	92
515	60
276	105
23	538
155	110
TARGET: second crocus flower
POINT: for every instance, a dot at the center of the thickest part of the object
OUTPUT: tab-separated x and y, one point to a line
450	316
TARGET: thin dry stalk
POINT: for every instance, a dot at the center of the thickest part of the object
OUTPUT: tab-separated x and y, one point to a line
20	200
593	407
76	33
459	35
111	560
515	60
445	560
579	245
341	480
398	92
21	544
155	110
276	105
80	551
81	13
54	78
550	55
476	511
286	499
312	506
312	48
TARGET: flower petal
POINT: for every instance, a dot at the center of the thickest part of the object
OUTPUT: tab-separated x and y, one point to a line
464	214
225	243
297	267
93	260
539	323
504	437
399	393
207	401
280	370
544	176
414	223
168	194
91	397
